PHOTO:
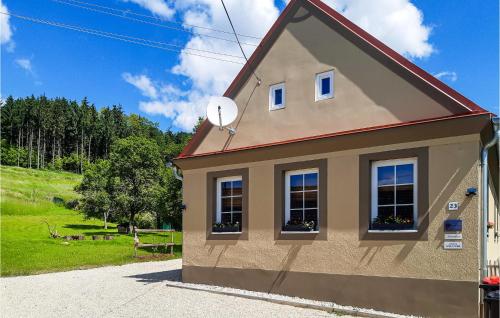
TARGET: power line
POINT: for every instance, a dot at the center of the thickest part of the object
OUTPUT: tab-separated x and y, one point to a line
237	40
119	37
149	22
155	18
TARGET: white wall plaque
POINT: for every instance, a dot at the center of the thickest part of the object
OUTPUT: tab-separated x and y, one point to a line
453	206
452	245
452	236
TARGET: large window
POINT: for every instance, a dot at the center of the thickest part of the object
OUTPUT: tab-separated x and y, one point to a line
394	195
324	85
277	96
301	200
229	204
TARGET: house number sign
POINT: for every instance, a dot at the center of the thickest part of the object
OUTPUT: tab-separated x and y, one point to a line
453	206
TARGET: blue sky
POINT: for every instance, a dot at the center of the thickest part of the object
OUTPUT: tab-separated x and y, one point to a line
457	39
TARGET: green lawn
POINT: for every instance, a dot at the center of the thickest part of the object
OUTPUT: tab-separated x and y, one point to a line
27	200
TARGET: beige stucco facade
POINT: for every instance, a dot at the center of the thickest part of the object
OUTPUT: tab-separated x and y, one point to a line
361	86
453	168
410	274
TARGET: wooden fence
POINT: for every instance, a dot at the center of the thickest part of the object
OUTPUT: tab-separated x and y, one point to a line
138	244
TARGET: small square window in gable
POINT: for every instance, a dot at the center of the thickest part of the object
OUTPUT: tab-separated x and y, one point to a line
324	86
277	96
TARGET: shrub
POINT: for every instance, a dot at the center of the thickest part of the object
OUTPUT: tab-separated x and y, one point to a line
71	163
146	220
72	204
10	155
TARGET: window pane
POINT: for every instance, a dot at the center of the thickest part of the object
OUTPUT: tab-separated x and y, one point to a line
237	204
296	199
385	211
405	212
237	186
404	194
225	188
385	195
226	204
311	181
385	175
404	173
296	183
296	215
325	86
237	218
278	96
311	215
225	218
311	199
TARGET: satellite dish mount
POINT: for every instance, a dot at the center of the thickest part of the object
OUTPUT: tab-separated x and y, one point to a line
231	130
222	111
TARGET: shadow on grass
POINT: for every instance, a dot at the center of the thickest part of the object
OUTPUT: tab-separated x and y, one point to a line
162	250
86	227
158	277
101	233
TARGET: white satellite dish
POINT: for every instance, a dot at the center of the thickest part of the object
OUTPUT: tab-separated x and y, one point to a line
222	111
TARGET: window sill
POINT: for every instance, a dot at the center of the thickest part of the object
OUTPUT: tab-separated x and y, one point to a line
320	98
273	108
222	233
392	231
299	232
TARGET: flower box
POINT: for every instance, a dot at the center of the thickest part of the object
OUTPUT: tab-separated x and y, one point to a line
226	228
297	228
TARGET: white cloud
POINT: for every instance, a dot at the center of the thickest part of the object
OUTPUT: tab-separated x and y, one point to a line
5	28
206	77
157	7
25	64
143	83
397	23
447	75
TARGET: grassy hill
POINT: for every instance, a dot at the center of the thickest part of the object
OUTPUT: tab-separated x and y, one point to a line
29	198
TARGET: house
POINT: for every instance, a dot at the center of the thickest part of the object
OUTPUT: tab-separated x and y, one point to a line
348	167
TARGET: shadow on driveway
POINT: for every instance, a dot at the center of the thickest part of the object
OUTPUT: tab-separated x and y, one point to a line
173	275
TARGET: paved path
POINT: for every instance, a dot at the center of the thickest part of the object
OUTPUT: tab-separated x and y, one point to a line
134	290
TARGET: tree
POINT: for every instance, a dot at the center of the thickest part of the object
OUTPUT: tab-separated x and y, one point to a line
169	200
96	189
135	169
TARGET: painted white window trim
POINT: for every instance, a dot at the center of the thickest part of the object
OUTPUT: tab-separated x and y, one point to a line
374	188
319	77
389	231
299	232
218	211
288	174
272	90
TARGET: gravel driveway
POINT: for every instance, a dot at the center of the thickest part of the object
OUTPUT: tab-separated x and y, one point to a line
134	290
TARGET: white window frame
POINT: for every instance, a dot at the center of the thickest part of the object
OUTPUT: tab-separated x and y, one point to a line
374	189
272	90
218	211
290	173
319	77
